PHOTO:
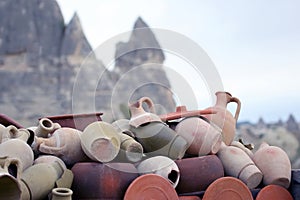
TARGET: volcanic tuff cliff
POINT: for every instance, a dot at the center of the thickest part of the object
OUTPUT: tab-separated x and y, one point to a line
40	58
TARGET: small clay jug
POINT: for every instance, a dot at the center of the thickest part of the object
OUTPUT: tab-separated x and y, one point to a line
45	127
15	148
100	141
102	181
223	118
158	139
197	173
274	164
139	116
239	165
39	180
162	166
64	143
61	194
6	132
9	175
23	134
202	137
241	146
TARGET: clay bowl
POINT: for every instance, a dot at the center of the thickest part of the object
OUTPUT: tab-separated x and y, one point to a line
77	121
150	186
274	192
228	188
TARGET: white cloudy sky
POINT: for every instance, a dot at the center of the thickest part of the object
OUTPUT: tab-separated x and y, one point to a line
255	45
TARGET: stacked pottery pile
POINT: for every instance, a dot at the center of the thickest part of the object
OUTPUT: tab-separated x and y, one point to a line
180	155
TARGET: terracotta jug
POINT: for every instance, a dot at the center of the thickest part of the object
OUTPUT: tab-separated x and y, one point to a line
23	134
162	166
15	148
139	116
45	127
223	118
61	194
197	173
241	146
202	137
39	180
100	141
158	139
102	181
64	143
274	164
9	175
239	165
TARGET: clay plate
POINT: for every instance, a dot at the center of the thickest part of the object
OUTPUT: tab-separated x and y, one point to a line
274	192
227	188
150	186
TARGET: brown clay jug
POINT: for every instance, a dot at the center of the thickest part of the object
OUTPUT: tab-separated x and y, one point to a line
274	164
223	118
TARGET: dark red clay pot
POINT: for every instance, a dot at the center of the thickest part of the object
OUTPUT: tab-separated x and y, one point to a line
227	188
102	181
150	186
274	192
197	173
77	121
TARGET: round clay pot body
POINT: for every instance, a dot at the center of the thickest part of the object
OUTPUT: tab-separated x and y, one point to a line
139	116
239	165
40	179
15	148
64	143
274	164
203	138
158	139
162	166
102	181
197	173
9	184
61	194
45	127
100	141
223	118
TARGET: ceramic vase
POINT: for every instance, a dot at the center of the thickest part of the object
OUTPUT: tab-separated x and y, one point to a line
9	175
202	137
239	165
102	181
274	164
162	166
64	143
197	173
223	118
100	141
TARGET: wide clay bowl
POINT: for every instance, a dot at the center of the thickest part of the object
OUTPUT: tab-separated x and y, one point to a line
150	186
228	188
274	192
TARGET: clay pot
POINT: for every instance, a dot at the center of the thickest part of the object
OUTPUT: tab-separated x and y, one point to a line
197	173
44	128
100	141
39	180
76	121
238	164
6	132
189	198
274	192
15	148
242	147
122	126
23	134
150	186
223	118
61	194
227	188
139	116
9	174
274	164
202	137
102	181
64	143
158	139
162	166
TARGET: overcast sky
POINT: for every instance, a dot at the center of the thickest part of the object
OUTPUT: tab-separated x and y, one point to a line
255	45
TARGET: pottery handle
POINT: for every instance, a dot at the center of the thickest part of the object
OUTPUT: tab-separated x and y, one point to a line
238	108
149	103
